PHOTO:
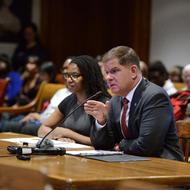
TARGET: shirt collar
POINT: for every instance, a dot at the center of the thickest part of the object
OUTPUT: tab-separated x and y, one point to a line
131	93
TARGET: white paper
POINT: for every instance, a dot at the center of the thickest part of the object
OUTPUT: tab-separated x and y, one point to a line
33	140
93	152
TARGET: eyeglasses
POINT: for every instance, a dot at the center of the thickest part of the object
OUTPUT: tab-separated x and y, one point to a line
73	76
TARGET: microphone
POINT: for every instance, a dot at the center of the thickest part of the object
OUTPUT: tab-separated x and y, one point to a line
44	142
25	150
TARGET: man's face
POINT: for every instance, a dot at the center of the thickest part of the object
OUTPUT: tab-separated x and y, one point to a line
120	78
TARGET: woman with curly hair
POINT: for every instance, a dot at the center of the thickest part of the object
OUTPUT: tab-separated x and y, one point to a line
84	78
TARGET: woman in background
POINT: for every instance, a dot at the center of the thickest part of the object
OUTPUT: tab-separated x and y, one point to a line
29	45
14	80
31	81
48	72
29	124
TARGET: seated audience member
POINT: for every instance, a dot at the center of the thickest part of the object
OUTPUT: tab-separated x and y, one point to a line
48	72
176	74
84	78
59	76
15	82
31	81
30	123
99	59
139	119
28	45
186	81
180	100
159	75
144	69
186	76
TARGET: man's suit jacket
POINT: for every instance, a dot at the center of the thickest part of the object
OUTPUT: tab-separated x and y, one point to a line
151	125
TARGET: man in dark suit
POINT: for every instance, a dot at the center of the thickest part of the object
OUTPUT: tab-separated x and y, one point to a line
144	124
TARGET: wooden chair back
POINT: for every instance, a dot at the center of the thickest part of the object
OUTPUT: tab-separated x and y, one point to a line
59	78
45	93
18	178
3	87
183	132
179	85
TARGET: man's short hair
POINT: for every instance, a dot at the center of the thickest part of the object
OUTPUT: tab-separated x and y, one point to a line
124	54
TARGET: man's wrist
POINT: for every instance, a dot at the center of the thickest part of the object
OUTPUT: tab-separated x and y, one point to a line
103	123
99	126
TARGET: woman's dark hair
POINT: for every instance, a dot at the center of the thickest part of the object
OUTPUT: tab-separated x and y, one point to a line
93	78
48	67
33	59
159	67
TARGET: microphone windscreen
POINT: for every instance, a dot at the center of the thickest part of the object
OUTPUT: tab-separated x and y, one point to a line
45	143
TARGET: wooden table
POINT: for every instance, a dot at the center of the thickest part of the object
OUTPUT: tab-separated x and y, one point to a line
76	172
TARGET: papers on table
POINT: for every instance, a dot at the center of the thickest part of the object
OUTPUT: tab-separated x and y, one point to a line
93	152
33	140
82	150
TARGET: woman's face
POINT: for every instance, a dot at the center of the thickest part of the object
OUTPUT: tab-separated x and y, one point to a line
31	67
74	79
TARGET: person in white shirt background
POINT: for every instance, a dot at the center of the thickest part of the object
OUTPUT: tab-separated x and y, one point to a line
158	74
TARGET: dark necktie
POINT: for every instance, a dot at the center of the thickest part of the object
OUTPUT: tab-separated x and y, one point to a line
124	127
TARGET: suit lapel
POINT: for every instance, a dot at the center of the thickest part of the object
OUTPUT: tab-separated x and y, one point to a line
118	106
135	100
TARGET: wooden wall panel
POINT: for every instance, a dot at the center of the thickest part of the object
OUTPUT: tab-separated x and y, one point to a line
71	27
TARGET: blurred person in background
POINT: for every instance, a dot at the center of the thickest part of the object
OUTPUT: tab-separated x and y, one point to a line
31	81
158	74
186	76
29	45
99	59
144	69
175	74
14	80
48	72
59	76
30	123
